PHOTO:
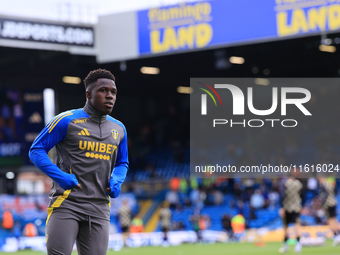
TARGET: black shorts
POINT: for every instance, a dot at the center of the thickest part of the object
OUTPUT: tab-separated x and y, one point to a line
331	212
291	217
165	229
125	229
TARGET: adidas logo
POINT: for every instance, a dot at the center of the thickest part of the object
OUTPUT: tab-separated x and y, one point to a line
84	132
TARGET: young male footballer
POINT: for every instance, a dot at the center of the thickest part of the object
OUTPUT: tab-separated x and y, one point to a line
91	165
329	203
290	211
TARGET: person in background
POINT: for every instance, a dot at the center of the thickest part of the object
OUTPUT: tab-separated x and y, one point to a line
226	225
7	220
238	224
173	199
329	203
136	225
125	216
165	219
17	230
30	230
257	200
91	166
196	227
290	211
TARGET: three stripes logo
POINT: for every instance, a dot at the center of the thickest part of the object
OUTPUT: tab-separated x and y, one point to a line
204	98
84	132
56	120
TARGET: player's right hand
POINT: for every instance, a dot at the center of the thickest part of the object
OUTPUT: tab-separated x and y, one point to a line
68	182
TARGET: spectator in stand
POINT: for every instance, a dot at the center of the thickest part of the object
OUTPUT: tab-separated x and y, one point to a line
175	183
246	194
196	226
136	225
274	199
312	185
178	225
173	199
265	195
222	184
194	196
17	230
7	220
30	230
317	211
183	190
237	191
204	222
257	200
201	199
240	207
193	183
210	198
238	224
187	202
226	225
183	186
218	197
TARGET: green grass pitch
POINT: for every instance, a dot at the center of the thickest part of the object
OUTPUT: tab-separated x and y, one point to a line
216	249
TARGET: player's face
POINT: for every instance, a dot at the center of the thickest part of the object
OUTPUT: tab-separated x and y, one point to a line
103	96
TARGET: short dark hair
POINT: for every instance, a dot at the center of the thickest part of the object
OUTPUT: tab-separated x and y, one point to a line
94	75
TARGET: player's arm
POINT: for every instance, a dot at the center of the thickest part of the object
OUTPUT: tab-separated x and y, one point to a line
283	195
120	170
302	194
335	189
282	198
323	194
130	214
52	134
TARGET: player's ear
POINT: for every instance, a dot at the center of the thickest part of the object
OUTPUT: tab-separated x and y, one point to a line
88	94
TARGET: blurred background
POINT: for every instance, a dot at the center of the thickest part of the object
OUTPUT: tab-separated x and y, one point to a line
153	48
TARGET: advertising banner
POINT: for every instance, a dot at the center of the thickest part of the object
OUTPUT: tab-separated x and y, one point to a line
198	25
46	32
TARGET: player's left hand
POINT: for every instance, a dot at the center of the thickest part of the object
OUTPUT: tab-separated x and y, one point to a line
282	212
114	188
